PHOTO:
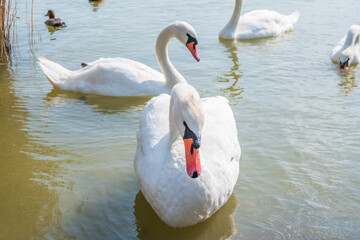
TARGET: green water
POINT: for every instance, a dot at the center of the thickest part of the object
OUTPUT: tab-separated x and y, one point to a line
66	169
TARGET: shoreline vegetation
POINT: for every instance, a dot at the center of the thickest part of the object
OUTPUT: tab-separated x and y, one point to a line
7	23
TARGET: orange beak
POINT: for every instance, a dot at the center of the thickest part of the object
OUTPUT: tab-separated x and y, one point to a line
192	155
192	48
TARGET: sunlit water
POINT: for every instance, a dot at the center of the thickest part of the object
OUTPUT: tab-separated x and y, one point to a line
66	166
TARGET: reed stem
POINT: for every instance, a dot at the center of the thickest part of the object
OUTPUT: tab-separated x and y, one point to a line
6	22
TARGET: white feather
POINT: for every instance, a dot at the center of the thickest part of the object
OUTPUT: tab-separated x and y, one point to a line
348	47
120	76
160	164
257	24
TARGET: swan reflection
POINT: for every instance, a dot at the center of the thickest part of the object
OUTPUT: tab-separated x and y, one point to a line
348	82
219	226
231	77
102	104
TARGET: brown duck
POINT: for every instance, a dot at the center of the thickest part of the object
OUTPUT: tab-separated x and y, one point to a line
52	21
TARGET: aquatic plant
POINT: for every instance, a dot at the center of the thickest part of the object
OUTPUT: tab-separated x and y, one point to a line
7	21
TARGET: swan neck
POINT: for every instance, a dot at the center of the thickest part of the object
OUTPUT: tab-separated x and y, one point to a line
173	131
172	76
234	20
356	41
349	41
352	39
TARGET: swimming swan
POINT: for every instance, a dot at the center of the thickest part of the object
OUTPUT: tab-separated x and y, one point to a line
187	157
348	49
124	77
257	24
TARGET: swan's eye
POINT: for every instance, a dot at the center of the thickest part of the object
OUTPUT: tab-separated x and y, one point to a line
191	39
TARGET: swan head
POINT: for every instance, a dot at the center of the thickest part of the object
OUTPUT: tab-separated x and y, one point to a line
345	59
186	34
189	118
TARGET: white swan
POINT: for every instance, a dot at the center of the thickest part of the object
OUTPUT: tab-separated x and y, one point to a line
348	49
124	77
187	158
257	24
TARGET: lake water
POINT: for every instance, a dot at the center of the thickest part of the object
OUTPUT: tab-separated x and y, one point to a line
66	159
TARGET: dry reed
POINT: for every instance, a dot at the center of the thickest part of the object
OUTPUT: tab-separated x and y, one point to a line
7	21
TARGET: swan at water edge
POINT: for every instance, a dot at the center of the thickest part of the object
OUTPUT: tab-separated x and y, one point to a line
257	24
124	77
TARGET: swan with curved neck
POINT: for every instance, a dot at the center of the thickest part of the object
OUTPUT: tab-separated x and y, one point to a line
187	157
124	77
257	24
347	51
186	36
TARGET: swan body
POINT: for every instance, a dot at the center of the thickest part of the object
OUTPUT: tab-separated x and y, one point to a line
161	163
257	24
347	51
107	76
125	77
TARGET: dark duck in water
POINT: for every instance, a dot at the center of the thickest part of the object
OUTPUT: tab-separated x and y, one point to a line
54	22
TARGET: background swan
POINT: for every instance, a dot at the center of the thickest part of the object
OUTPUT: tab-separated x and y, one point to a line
124	77
257	24
187	158
347	50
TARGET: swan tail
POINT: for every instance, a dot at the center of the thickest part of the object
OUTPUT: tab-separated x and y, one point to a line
55	73
294	17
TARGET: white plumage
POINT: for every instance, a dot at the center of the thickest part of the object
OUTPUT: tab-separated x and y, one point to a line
120	76
348	47
257	24
107	76
160	163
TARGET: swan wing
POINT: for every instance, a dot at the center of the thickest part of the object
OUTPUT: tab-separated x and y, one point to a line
152	141
220	145
265	23
117	77
338	49
108	76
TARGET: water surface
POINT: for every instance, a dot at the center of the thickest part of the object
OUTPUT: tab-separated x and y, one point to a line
66	161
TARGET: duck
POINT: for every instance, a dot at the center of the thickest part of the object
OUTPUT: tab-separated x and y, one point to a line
187	157
257	24
347	51
125	77
52	21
